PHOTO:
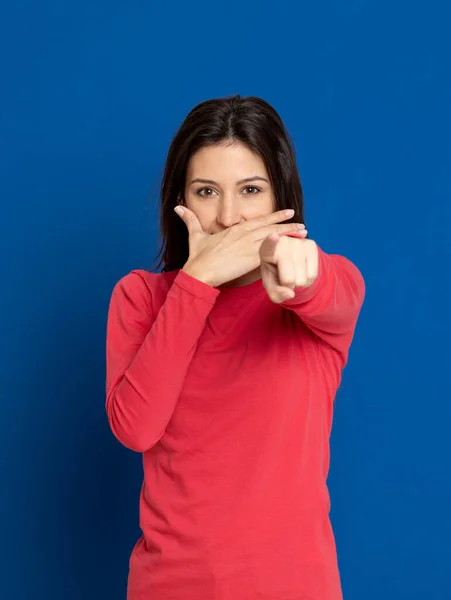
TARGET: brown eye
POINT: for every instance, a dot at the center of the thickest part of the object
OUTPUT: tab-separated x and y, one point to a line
251	187
199	192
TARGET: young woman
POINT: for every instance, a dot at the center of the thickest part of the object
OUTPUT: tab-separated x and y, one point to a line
223	368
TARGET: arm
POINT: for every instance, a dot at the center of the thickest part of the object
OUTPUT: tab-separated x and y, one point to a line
331	305
148	355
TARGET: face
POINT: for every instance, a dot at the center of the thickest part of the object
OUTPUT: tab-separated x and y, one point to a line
227	184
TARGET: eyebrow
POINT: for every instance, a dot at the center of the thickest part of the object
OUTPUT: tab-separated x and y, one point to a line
246	180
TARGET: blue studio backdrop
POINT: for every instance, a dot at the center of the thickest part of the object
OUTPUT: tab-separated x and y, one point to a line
92	94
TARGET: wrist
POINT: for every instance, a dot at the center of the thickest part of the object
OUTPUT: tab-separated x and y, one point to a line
198	273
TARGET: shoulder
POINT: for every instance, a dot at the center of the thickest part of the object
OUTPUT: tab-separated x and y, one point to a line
144	288
140	280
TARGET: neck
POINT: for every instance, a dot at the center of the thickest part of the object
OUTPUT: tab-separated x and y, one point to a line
245	279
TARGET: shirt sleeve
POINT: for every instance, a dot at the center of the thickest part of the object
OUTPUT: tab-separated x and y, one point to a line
331	305
148	355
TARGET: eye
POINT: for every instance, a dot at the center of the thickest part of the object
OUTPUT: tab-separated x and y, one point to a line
251	187
203	190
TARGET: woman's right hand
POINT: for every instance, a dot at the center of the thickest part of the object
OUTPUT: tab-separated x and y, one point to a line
221	257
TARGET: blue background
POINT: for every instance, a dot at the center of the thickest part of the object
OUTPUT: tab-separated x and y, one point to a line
92	93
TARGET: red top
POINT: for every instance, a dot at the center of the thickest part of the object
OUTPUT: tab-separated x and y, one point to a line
230	399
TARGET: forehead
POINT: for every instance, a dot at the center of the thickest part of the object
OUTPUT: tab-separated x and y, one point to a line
235	161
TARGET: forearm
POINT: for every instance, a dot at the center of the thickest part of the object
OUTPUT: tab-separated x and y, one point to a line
143	394
331	305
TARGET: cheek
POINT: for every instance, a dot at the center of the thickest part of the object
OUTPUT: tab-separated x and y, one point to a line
205	214
261	205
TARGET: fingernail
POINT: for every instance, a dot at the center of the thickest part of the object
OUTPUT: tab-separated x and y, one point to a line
179	210
289	212
301	226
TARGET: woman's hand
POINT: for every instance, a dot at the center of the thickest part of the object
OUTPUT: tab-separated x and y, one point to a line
221	257
287	263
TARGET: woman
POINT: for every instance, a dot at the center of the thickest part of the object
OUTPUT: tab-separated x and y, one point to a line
223	368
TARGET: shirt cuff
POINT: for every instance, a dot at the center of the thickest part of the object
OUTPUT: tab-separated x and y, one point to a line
196	287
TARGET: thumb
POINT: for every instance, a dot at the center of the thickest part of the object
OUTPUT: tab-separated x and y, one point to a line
189	218
268	248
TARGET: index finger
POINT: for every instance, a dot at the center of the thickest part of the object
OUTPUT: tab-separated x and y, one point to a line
271	219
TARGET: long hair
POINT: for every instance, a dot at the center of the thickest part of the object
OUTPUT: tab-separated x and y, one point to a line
249	120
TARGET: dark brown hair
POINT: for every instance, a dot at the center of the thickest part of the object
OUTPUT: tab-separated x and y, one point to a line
249	120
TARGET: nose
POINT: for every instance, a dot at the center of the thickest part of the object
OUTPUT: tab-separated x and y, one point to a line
228	213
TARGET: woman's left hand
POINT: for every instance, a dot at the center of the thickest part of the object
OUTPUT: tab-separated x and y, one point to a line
287	263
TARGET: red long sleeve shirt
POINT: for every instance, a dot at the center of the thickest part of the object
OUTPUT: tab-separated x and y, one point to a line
230	399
